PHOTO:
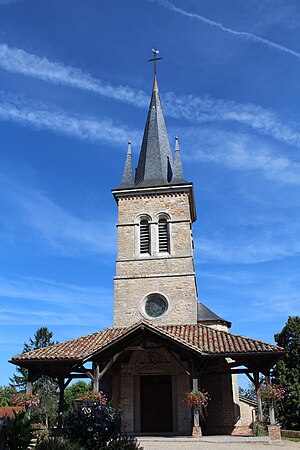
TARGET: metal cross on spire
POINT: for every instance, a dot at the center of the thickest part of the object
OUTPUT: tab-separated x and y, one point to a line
155	53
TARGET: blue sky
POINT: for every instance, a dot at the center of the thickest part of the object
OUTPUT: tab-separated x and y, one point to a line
75	87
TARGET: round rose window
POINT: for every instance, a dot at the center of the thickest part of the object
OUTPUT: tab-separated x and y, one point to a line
155	306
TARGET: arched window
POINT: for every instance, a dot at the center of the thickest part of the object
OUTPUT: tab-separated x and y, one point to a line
144	236
163	236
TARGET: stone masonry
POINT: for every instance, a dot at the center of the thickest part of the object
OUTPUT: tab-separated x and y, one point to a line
170	274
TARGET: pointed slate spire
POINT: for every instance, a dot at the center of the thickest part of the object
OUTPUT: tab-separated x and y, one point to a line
128	178
155	166
177	166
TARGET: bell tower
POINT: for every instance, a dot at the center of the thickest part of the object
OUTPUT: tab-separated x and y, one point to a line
155	276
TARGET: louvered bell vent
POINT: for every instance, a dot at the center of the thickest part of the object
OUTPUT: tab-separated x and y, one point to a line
163	235
144	237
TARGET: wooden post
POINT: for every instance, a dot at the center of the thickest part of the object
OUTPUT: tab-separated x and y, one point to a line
197	432
61	383
258	397
96	378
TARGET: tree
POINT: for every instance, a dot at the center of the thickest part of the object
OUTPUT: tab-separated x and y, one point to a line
73	392
42	338
6	395
46	387
287	372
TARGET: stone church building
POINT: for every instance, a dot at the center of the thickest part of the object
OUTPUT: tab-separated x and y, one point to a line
163	342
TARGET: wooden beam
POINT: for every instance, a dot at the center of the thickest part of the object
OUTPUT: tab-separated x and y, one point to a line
179	361
67	382
250	377
82	370
78	375
108	366
96	378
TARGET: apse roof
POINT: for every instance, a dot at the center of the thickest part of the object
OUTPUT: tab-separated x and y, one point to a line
207	315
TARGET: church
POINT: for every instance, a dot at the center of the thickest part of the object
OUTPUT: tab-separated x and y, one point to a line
164	342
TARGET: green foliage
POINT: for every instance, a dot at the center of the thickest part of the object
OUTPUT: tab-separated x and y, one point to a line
290	434
96	425
6	395
259	428
39	431
42	338
93	424
74	392
287	372
16	433
46	387
57	443
46	412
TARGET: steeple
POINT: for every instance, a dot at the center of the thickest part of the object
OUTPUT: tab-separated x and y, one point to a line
128	178
155	166
178	176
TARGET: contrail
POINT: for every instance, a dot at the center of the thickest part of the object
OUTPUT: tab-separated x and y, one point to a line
220	26
189	107
41	116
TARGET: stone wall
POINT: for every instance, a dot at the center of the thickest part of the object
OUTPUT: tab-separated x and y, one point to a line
127	384
170	274
222	411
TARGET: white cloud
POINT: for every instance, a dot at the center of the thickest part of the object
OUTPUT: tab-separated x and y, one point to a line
246	249
240	151
189	107
207	109
32	301
51	292
29	300
24	316
240	34
42	116
59	229
267	294
18	61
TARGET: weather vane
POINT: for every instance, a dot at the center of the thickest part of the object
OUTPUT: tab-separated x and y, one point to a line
155	53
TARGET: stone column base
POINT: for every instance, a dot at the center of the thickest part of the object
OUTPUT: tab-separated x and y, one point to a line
274	432
197	432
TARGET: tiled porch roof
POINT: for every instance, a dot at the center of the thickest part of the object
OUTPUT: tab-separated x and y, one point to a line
200	338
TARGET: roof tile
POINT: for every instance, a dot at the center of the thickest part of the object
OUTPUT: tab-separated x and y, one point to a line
201	338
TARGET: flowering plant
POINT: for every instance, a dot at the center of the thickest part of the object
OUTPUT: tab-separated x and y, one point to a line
94	397
27	401
275	391
94	422
197	399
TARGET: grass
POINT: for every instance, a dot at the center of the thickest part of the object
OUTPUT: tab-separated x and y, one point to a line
291	439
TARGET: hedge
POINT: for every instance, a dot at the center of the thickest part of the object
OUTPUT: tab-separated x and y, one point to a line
290	433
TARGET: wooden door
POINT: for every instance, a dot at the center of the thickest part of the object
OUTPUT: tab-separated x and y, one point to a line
156	403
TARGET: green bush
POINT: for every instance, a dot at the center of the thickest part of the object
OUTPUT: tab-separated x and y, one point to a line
290	433
96	425
259	428
16	433
57	443
93	425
